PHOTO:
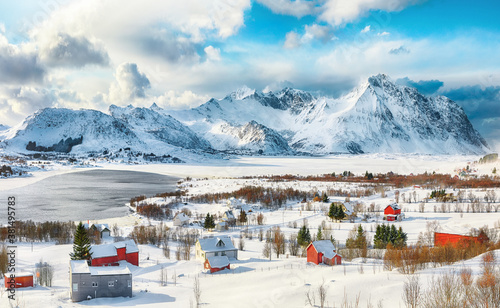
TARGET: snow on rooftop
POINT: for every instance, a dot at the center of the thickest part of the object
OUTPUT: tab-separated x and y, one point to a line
109	270
79	267
181	216
220	243
218	262
325	247
108	250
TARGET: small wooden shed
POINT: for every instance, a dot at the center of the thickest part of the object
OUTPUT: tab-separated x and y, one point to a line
21	280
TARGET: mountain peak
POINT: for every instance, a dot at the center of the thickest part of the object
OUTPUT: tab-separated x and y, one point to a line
242	93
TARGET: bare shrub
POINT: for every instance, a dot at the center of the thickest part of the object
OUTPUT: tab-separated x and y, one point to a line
412	292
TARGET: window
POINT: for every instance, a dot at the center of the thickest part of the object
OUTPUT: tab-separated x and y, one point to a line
129	283
216	253
223	253
94	284
111	283
75	287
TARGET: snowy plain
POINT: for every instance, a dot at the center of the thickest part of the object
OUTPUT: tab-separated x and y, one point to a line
255	281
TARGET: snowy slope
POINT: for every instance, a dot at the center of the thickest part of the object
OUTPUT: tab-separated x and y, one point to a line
148	123
3	127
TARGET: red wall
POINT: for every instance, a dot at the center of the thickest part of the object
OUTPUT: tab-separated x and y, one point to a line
312	255
113	260
20	282
133	258
441	239
121	253
213	270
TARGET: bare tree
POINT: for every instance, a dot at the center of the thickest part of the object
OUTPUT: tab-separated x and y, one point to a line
322	294
293	245
278	242
163	276
412	292
241	244
197	290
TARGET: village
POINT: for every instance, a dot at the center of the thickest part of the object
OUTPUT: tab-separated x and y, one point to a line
190	247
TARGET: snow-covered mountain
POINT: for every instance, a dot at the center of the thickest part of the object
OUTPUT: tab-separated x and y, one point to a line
376	117
3	127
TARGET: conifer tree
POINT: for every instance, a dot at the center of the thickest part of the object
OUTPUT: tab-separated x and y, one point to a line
81	244
209	222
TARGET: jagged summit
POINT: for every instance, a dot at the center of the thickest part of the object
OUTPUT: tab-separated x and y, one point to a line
378	116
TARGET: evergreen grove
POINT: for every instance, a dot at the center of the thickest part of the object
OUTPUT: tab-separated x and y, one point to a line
385	235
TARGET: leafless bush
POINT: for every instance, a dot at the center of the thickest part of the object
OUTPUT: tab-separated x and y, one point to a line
197	290
412	292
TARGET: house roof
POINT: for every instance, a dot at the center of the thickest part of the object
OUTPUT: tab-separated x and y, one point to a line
220	243
229	215
326	247
181	216
218	262
395	206
348	208
109	250
79	267
109	270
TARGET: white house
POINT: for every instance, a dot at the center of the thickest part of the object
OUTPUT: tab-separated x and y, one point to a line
214	247
181	219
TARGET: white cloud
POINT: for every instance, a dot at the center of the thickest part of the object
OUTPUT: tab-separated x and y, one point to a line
383	33
366	29
315	31
297	8
311	33
292	40
213	54
338	12
180	100
130	84
19	64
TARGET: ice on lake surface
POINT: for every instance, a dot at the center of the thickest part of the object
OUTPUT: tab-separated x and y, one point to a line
93	194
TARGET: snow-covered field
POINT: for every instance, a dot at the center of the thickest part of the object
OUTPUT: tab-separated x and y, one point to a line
255	281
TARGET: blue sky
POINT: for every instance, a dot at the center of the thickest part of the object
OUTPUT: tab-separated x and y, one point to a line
66	53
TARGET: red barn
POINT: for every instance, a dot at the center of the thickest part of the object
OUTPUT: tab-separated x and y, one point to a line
392	209
443	239
323	252
215	264
110	254
21	280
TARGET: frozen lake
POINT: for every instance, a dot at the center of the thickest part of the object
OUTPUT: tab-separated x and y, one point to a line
93	194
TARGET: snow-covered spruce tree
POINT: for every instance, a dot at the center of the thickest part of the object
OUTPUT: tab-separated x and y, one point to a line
81	244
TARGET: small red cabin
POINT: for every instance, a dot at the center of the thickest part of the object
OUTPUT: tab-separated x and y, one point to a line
215	264
443	239
323	252
21	280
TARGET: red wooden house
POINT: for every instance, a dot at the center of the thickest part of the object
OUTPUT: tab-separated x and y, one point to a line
110	254
21	280
392	212
215	264
443	239
323	252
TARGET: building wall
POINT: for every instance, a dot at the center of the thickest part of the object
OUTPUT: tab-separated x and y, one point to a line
121	252
105	261
133	258
19	282
312	255
442	239
122	286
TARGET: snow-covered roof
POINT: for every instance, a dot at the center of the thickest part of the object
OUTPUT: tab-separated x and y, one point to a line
394	205
220	243
348	208
218	262
229	215
23	274
79	267
182	217
109	270
326	247
108	250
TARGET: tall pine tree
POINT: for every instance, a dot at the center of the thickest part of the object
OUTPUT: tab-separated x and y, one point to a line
81	244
